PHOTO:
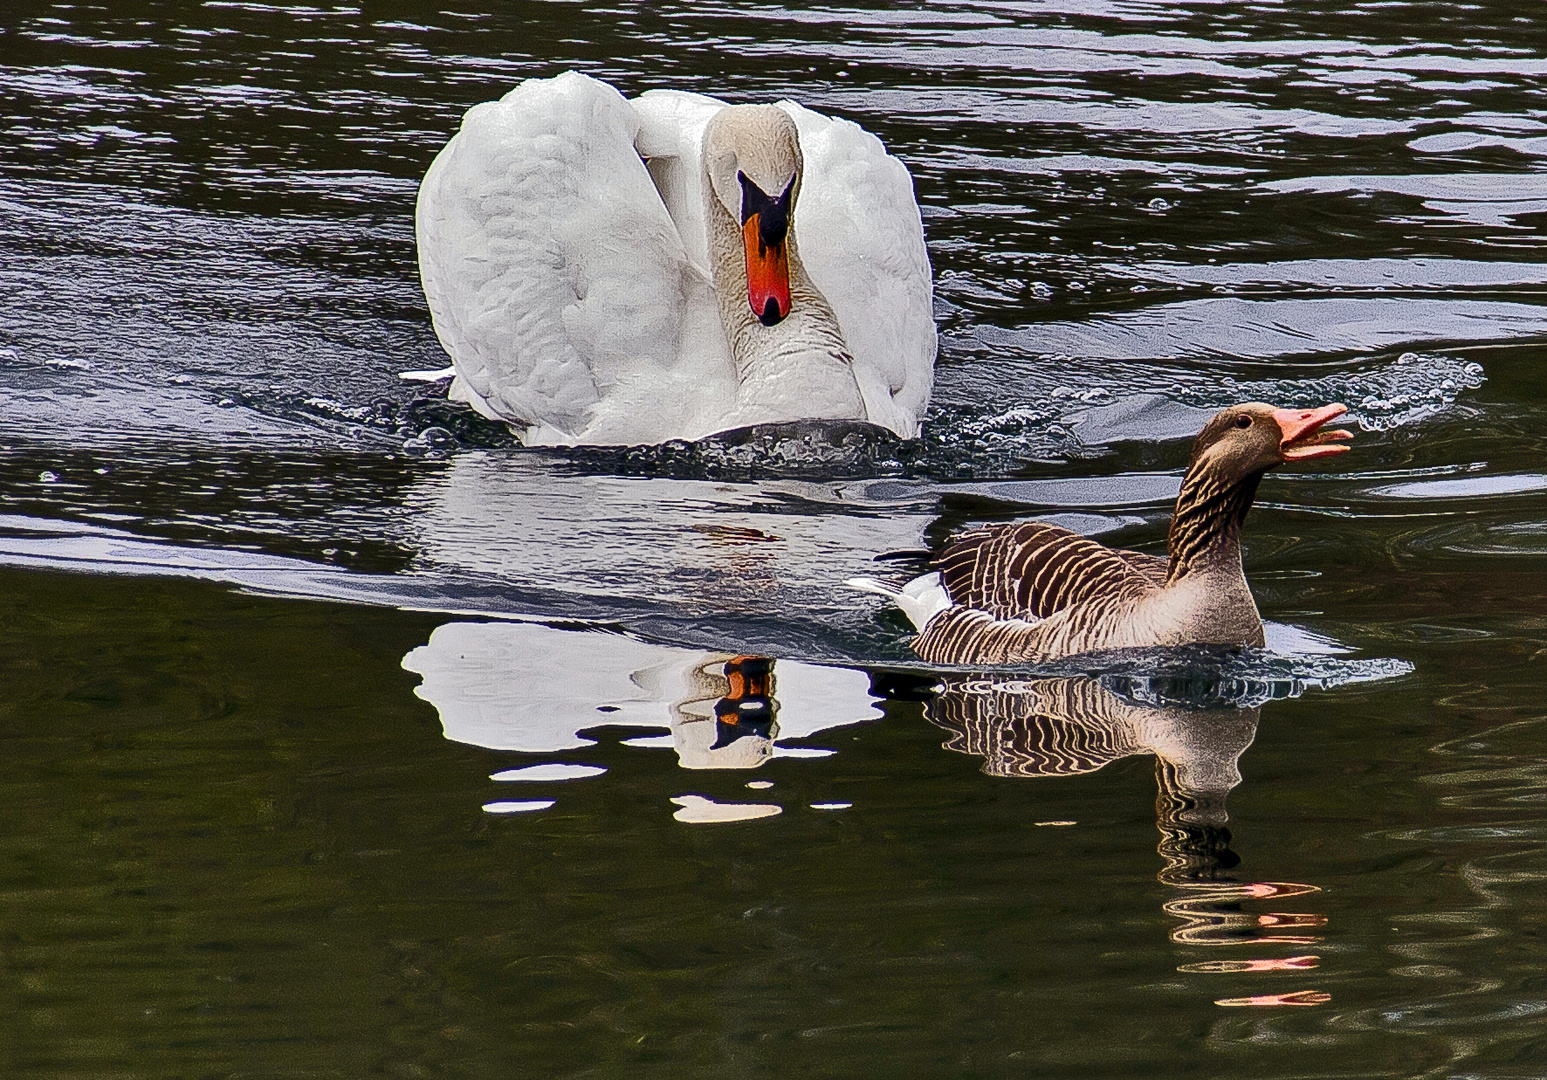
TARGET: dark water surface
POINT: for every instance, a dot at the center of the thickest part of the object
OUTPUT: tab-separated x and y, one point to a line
274	619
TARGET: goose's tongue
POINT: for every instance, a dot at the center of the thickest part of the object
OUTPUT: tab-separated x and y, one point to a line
1303	437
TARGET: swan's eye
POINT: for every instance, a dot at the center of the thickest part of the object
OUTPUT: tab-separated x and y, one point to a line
1243	421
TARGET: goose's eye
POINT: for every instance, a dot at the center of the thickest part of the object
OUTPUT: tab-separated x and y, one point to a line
1243	421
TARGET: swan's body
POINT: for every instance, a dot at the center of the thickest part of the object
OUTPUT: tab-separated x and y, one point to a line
586	259
1030	592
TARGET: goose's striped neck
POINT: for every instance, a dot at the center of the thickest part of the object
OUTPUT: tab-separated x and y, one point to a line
1206	527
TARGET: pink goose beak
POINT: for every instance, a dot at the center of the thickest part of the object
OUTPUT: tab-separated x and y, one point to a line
1303	437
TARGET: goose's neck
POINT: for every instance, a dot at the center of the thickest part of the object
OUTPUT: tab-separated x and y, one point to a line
1206	527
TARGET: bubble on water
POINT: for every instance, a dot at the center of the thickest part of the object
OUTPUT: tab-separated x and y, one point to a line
986	442
430	440
428	408
1210	677
1409	389
339	411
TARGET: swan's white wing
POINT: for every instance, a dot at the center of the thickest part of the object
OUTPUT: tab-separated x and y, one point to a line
557	281
671	140
862	241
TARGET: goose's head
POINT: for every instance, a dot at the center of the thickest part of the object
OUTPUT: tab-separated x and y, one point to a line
1246	440
752	161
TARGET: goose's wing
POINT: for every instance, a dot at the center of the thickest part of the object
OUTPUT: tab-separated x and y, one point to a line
861	239
1030	571
1153	567
556	279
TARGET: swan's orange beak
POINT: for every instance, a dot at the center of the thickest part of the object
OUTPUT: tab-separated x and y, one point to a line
765	229
1303	437
768	274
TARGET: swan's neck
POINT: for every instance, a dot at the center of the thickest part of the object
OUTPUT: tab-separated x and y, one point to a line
1206	527
801	360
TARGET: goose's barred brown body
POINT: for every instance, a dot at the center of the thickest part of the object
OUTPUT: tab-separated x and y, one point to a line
1030	591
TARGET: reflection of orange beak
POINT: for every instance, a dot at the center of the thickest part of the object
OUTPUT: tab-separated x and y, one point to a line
1303	437
768	275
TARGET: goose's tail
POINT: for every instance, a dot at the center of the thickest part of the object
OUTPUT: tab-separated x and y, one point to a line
920	599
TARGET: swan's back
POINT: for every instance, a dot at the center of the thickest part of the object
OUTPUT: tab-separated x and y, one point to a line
860	235
857	228
569	281
555	277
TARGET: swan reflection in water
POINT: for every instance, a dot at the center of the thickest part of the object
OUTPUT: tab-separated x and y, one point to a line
537	689
729	718
1068	726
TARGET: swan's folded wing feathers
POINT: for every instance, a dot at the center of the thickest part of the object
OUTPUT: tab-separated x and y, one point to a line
862	241
1033	570
550	264
671	140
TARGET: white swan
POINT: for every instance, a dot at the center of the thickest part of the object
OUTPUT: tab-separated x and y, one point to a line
604	271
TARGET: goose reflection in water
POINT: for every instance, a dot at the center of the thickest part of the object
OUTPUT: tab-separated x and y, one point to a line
1069	726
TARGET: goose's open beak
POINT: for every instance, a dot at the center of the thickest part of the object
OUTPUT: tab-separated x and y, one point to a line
1303	437
765	227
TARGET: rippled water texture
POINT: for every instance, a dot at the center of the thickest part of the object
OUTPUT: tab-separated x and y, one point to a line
344	737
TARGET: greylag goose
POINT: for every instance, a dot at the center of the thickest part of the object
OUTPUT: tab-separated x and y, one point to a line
611	271
1028	592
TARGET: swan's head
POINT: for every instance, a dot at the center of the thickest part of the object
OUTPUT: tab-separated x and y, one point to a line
752	161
